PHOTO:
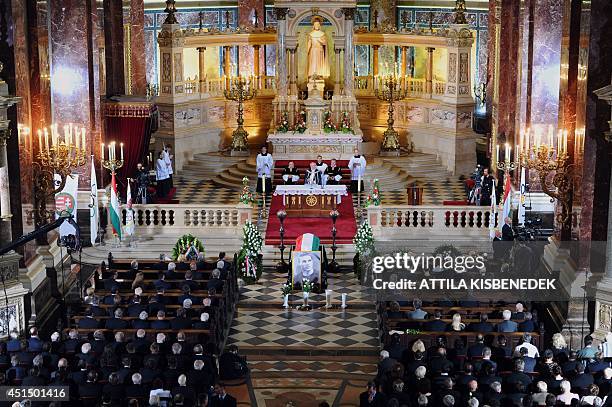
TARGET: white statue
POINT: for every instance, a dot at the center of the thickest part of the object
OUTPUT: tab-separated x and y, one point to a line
317	50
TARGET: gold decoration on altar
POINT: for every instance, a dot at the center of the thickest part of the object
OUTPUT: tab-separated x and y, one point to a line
311	200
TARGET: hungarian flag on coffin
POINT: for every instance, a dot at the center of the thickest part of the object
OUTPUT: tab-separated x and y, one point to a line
307	242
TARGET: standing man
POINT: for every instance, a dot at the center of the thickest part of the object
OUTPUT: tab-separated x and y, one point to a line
168	159
321	167
357	165
142	181
290	174
486	188
507	232
161	173
313	176
265	166
333	173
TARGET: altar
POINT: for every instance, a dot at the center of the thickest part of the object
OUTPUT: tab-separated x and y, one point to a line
304	147
310	201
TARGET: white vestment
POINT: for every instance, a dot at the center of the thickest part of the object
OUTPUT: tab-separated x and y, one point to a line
264	165
357	167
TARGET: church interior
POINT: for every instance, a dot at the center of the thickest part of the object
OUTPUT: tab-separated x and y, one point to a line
306	203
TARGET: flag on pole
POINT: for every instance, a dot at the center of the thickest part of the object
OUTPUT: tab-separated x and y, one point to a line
506	203
129	213
521	206
93	204
307	242
493	212
115	214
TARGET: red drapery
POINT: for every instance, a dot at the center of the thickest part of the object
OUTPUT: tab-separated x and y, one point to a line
131	125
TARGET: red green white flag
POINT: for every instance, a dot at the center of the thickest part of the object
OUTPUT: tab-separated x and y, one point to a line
114	210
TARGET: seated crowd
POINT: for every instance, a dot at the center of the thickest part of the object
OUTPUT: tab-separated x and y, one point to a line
490	371
148	350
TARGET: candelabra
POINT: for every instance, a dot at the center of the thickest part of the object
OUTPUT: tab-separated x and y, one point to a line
333	266
391	92
240	91
546	159
507	164
55	156
282	265
112	164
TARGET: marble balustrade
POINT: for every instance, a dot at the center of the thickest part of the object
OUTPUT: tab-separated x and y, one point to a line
180	219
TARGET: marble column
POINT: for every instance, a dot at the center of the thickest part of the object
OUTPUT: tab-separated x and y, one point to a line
137	48
73	81
429	72
256	71
246	17
403	66
202	69
349	52
375	59
5	194
227	68
113	48
294	73
338	73
281	68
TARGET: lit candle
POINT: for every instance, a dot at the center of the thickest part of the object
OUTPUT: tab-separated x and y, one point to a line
527	136
497	153
110	155
102	151
506	152
359	182
263	183
46	139
550	135
517	152
40	146
559	139
565	141
121	145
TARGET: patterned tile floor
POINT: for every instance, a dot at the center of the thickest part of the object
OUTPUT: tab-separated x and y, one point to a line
205	192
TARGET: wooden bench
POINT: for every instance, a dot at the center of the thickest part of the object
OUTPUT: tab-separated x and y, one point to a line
430	338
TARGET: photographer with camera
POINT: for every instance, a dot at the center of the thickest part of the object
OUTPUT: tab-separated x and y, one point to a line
231	365
142	181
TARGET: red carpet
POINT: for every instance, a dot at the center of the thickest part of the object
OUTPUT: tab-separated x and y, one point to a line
321	227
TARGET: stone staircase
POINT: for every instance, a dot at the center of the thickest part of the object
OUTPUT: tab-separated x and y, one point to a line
206	166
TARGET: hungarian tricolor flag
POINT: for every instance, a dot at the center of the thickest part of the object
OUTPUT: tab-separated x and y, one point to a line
115	214
506	202
307	242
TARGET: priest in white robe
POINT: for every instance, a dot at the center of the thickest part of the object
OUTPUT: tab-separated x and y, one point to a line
313	176
321	167
357	165
265	168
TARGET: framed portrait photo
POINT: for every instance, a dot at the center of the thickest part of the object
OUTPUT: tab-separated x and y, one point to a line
305	265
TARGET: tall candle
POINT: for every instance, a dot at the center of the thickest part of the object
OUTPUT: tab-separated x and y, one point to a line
359	182
121	145
102	152
565	141
46	139
263	183
110	155
497	153
40	146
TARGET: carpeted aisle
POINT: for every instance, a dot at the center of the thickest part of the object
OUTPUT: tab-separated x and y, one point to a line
320	227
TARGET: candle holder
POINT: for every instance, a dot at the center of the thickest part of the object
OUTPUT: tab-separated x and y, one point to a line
391	92
112	164
545	160
55	156
334	266
240	91
282	265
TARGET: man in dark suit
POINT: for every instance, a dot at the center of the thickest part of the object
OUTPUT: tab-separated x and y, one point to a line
507	232
111	282
117	322
161	283
91	389
483	326
110	299
582	380
476	349
180	321
517	376
34	343
193	285
161	322
13	344
371	397
215	282
527	325
231	365
435	325
141	322
89	322
136	307
34	378
507	325
221	398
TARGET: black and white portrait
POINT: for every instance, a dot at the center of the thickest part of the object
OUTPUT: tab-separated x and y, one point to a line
306	265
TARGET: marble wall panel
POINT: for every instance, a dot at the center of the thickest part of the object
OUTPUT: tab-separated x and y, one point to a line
415	114
386	12
246	12
149	55
137	48
546	61
443	118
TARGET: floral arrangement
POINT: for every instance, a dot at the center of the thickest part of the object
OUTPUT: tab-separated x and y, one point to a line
286	288
306	285
413	331
283	126
300	122
249	259
328	125
374	196
345	124
187	247
364	239
246	196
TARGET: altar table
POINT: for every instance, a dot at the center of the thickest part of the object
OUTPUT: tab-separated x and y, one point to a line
311	201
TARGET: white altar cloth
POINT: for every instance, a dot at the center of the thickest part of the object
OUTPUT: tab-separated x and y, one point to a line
338	190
